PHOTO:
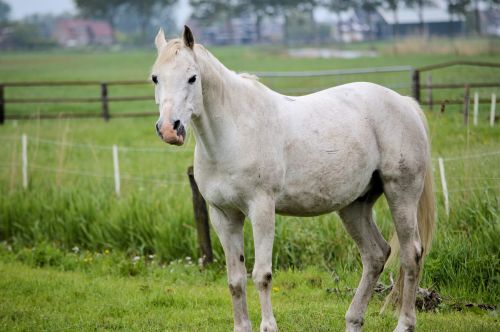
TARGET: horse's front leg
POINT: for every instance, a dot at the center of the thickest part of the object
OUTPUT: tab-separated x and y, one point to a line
229	227
261	214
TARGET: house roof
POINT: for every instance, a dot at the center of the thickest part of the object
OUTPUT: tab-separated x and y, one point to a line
410	15
98	28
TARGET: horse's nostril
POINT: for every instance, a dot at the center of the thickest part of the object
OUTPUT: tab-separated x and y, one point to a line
158	130
176	124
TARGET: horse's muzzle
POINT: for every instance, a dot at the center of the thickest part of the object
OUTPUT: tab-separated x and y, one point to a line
171	133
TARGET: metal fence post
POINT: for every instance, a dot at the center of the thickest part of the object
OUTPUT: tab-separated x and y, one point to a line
416	84
201	218
2	105
104	99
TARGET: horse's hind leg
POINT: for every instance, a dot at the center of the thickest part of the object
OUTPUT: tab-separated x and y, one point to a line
374	250
403	201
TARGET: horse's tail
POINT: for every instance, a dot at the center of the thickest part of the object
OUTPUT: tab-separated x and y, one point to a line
426	221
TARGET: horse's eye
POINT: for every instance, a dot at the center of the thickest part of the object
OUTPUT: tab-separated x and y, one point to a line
192	79
154	78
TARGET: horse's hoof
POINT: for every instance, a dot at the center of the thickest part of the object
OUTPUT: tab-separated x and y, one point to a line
353	328
243	328
404	328
269	326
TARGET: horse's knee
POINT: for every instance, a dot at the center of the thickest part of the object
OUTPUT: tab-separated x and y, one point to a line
262	278
374	262
236	290
236	285
411	260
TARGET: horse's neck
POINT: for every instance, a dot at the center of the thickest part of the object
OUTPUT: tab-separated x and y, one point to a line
226	102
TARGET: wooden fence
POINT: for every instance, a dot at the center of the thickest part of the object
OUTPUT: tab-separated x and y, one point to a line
104	99
418	86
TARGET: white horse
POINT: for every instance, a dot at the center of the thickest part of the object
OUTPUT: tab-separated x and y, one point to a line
259	153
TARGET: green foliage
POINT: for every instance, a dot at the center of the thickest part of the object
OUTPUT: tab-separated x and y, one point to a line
99	9
4	11
26	36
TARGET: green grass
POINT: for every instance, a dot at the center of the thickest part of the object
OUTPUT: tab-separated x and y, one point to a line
180	297
153	216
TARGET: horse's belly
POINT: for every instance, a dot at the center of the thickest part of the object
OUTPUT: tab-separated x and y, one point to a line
328	174
326	197
325	189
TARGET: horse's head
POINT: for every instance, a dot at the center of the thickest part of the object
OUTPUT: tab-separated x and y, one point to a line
178	94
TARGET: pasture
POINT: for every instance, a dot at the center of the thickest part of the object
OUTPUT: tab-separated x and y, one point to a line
75	256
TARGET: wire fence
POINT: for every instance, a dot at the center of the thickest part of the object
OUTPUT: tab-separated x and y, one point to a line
455	174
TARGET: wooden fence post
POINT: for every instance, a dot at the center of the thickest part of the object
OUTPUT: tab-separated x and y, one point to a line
466	105
201	218
104	99
2	105
492	110
416	84
429	90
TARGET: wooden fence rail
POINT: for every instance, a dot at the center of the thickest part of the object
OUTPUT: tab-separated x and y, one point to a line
417	86
104	99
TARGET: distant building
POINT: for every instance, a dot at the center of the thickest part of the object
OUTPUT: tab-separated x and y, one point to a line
355	24
79	32
437	22
237	30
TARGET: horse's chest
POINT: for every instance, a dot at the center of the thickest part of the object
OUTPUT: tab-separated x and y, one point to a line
234	188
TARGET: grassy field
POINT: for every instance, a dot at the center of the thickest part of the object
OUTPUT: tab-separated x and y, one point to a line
180	298
70	203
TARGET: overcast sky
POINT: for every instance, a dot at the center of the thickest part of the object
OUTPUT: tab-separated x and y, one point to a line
22	8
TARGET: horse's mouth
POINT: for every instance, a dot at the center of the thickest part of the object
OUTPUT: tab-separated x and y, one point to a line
175	135
178	138
175	140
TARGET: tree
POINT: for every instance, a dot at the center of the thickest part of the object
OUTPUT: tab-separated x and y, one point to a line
420	4
370	7
338	7
286	7
456	7
104	10
145	10
394	6
210	11
261	9
4	12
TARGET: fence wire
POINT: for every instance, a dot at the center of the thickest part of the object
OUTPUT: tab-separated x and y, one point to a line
458	177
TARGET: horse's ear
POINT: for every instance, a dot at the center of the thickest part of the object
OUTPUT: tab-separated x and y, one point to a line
187	37
160	40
